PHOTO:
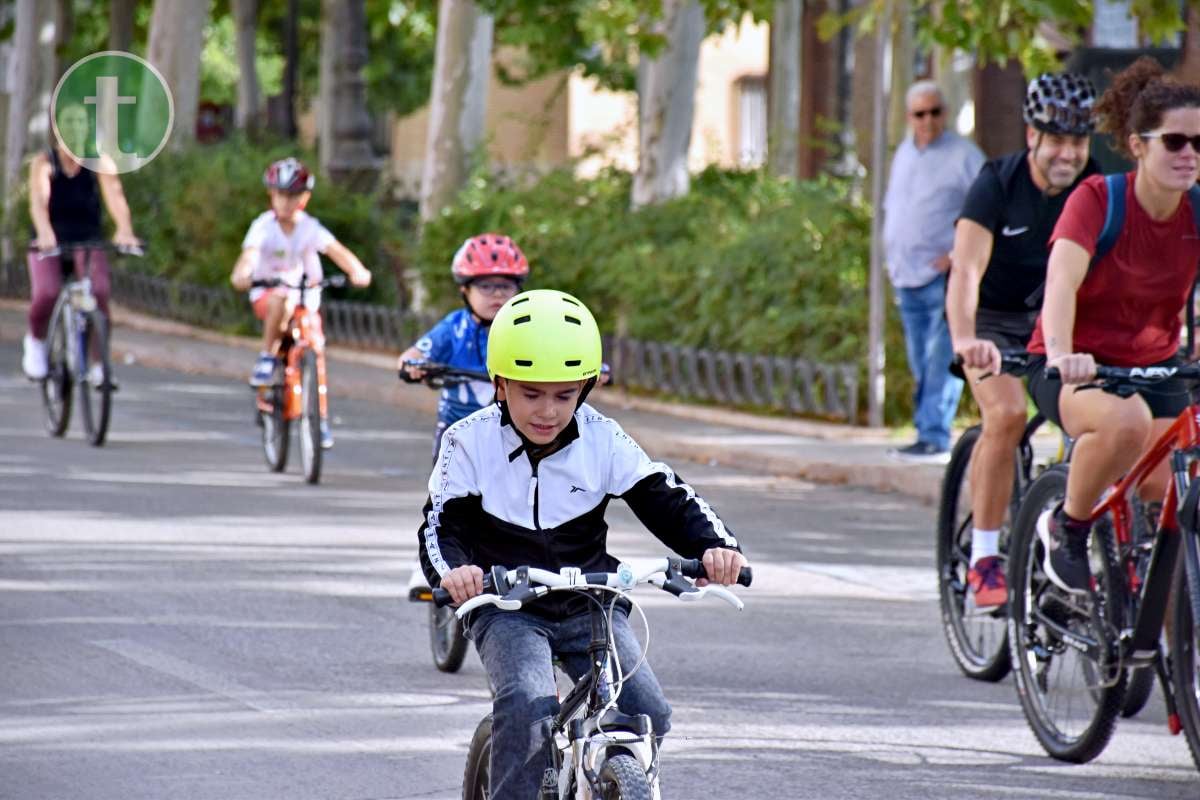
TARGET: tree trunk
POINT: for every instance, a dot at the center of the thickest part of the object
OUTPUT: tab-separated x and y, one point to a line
351	160
1189	64
120	24
999	128
291	55
176	42
245	17
784	102
457	102
24	78
818	99
325	83
666	100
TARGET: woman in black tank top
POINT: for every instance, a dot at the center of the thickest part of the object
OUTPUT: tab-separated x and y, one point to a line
64	203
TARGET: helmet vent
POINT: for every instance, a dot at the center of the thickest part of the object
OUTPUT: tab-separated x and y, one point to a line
520	300
571	319
522	320
575	362
523	362
570	300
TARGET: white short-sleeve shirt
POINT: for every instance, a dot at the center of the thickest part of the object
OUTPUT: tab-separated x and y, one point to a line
288	256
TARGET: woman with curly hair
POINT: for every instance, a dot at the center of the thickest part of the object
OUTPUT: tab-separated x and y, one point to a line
1122	310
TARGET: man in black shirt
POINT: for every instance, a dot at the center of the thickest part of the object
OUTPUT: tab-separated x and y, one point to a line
994	294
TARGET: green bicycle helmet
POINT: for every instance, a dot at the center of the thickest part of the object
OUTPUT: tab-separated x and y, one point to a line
544	336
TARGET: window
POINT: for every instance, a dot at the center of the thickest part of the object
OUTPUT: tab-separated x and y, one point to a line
751	94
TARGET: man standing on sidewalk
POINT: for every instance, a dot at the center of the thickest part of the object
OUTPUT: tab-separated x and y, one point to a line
931	172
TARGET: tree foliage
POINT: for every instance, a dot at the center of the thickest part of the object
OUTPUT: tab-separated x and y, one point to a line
998	30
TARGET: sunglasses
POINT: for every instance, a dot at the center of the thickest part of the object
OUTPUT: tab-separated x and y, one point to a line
1174	142
934	112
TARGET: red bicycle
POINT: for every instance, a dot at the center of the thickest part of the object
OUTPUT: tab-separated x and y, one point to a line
1072	655
297	390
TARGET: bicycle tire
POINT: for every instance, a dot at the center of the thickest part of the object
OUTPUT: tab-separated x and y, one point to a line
478	771
309	429
1137	691
979	644
58	385
275	428
1185	649
95	402
447	640
1036	649
621	777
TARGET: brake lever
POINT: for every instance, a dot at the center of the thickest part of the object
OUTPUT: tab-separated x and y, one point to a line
713	589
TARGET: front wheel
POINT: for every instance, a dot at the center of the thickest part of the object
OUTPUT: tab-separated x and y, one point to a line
95	399
274	429
478	772
446	639
58	385
622	778
1070	698
1185	655
978	642
310	418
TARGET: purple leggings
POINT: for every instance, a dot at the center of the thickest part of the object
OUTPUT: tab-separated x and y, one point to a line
46	279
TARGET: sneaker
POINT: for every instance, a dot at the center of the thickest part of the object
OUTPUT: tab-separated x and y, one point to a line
34	361
264	370
1066	554
921	453
987	588
326	435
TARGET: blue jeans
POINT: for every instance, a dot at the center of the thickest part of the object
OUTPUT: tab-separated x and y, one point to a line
516	649
927	340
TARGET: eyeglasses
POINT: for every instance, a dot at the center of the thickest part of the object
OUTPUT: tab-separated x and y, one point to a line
1174	142
934	112
496	288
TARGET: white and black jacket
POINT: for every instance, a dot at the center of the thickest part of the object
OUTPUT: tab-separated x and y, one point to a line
489	505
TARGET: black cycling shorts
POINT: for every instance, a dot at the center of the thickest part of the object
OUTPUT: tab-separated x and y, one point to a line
1165	399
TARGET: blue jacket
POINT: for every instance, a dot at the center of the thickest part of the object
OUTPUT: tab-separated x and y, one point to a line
459	341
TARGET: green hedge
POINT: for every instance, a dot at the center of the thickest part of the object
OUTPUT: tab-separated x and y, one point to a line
193	209
744	262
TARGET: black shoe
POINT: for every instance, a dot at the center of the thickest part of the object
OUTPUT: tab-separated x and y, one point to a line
921	453
1066	554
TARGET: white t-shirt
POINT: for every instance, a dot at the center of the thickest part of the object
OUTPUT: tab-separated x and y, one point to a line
288	257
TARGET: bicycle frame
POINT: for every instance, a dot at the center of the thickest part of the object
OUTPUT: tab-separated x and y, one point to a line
303	332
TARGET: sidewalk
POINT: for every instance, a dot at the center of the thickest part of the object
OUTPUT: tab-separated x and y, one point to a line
812	451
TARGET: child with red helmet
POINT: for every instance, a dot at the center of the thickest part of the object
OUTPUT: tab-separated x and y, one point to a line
489	269
284	243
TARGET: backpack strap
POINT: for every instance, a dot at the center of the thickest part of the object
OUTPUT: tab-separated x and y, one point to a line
1114	216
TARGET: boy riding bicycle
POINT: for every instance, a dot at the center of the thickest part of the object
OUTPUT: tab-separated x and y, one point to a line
283	243
526	481
489	269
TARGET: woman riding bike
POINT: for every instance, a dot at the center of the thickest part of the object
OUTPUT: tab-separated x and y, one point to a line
64	202
526	481
1122	310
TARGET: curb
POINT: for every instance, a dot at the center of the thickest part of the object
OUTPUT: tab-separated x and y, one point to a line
896	478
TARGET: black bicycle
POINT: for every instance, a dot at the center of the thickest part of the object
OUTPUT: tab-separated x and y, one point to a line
599	752
447	641
78	357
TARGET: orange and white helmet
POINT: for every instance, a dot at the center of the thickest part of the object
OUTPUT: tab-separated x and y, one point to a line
489	254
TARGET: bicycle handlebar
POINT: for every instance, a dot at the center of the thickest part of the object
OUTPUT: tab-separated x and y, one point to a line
333	281
516	587
1012	362
94	244
438	375
1115	377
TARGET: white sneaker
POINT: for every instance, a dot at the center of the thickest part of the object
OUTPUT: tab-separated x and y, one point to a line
34	360
96	374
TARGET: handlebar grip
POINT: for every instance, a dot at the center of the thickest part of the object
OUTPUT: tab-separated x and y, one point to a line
1052	374
442	598
406	377
694	568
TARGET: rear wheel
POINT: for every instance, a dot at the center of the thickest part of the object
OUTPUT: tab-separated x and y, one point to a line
95	399
978	642
309	430
446	639
1070	698
622	778
274	430
58	384
478	772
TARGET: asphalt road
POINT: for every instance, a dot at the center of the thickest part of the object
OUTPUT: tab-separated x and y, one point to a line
177	622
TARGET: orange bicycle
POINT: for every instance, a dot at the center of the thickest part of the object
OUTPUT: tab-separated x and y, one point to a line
297	389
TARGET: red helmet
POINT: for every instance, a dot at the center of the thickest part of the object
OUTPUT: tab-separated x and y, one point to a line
489	254
288	175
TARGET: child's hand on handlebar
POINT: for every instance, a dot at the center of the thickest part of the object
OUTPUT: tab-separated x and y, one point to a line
361	277
411	368
722	566
463	583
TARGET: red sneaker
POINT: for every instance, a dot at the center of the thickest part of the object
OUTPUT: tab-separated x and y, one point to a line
987	585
